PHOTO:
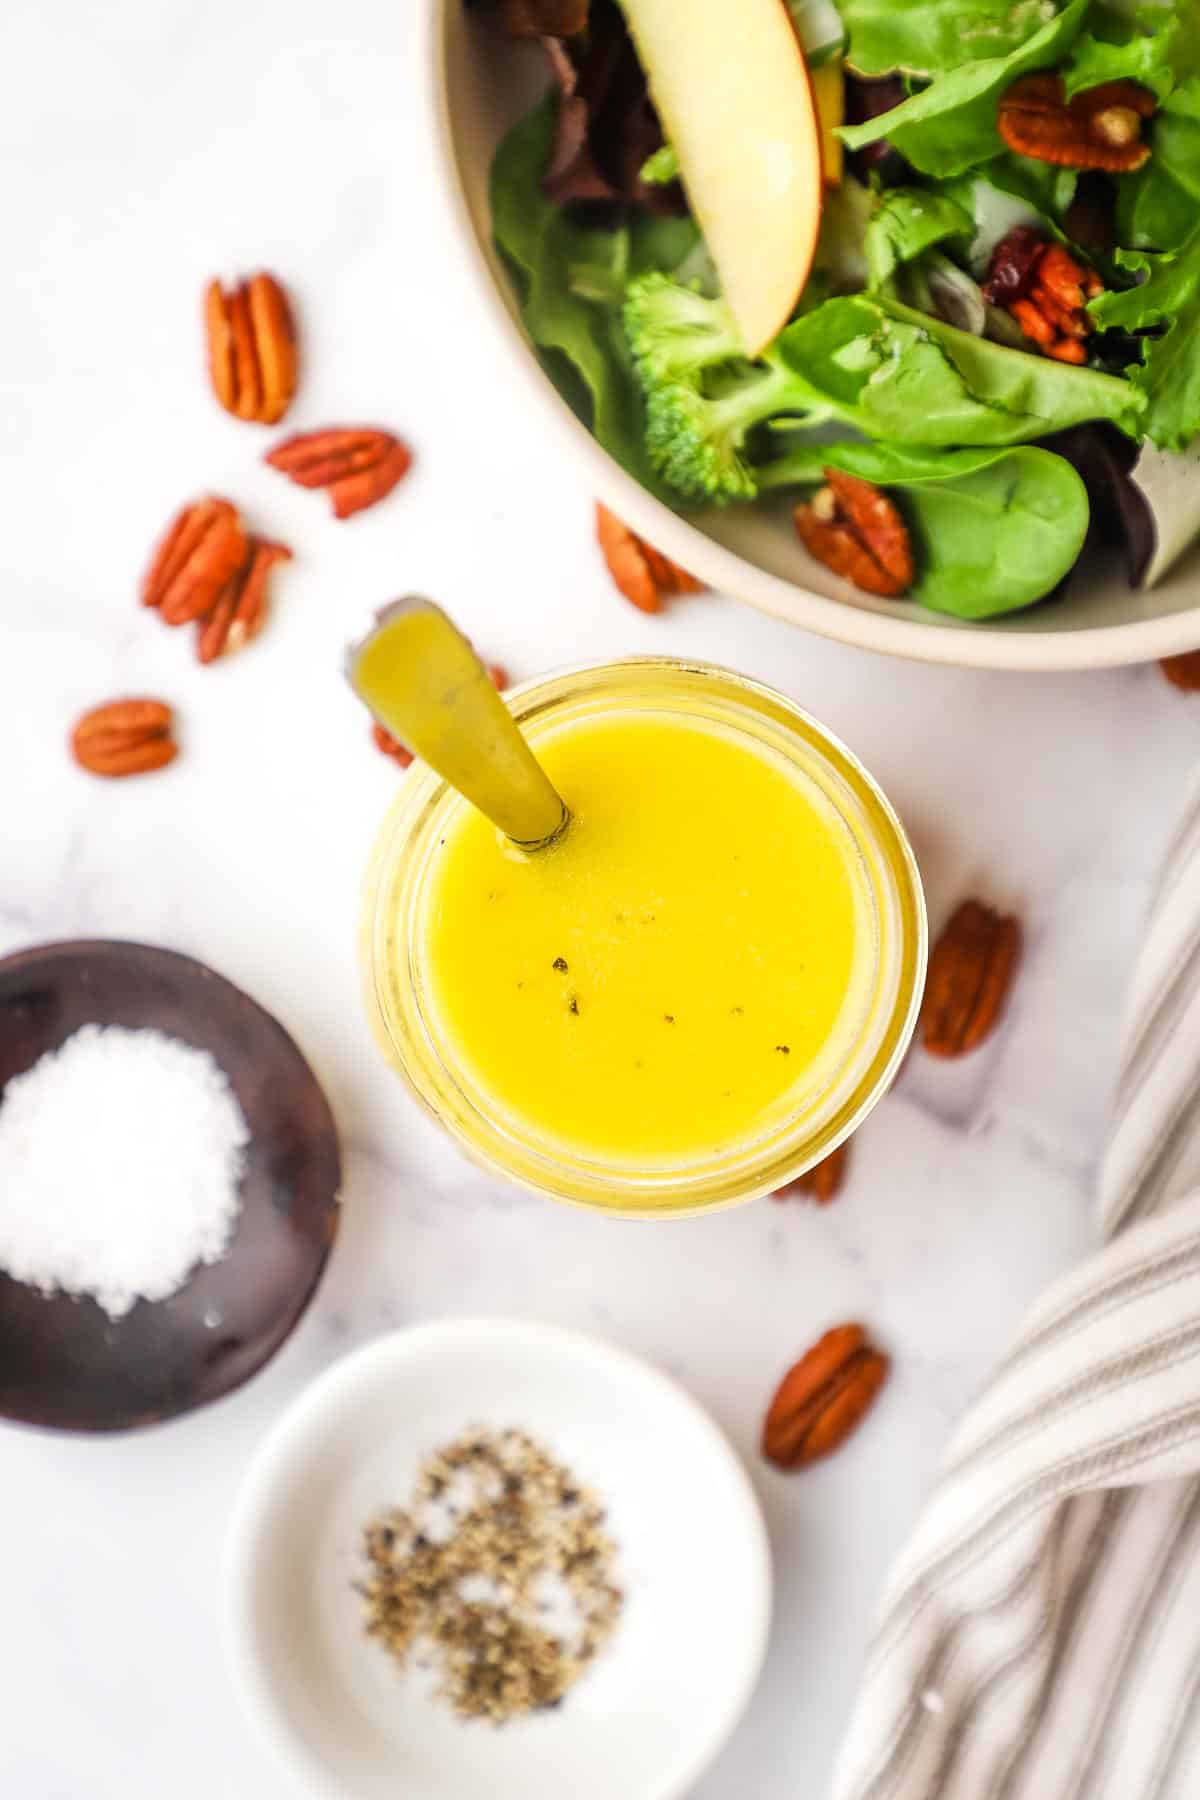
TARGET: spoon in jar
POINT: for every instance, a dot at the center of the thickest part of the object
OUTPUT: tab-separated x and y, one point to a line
420	679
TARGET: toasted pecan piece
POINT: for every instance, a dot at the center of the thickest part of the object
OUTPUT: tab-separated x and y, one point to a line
823	1182
823	1398
357	465
1045	290
204	545
252	359
1097	129
643	574
241	609
971	971
1183	672
853	527
124	737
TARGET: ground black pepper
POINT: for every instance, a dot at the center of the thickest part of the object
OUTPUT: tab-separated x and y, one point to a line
476	1582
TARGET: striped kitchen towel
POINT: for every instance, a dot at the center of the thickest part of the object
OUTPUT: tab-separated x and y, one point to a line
1040	1636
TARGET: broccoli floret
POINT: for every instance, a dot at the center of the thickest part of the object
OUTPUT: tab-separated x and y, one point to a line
676	330
697	440
703	397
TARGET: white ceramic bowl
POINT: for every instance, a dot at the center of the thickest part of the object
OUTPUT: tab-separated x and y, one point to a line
694	1564
474	94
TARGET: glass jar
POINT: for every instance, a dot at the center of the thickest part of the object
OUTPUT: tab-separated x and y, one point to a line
866	1048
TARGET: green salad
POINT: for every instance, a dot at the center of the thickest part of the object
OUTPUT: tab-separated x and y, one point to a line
999	328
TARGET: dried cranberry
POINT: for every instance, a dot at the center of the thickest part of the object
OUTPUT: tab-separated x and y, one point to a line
1011	269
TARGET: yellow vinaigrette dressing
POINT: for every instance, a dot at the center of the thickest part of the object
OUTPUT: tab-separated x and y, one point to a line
742	927
673	975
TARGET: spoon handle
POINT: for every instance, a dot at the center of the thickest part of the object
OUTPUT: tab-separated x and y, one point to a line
423	682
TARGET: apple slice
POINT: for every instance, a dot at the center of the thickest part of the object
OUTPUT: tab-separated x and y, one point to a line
732	90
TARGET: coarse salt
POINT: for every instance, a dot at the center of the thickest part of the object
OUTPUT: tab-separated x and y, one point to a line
121	1156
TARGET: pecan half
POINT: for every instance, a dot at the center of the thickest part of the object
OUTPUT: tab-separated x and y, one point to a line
204	546
971	971
124	737
251	348
643	574
823	1182
358	465
1045	290
852	527
1098	129
1183	672
823	1397
241	609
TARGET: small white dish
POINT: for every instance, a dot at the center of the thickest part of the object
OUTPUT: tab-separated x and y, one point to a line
693	1563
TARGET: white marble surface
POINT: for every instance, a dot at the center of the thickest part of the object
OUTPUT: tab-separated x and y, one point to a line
156	144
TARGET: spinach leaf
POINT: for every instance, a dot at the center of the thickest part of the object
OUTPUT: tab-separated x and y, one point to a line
932	37
1143	49
906	378
1169	372
993	530
570	284
951	125
906	222
1156	208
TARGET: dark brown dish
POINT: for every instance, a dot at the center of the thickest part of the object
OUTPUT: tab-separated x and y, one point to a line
63	1361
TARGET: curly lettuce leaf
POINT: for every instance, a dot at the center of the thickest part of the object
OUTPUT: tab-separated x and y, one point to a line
1169	372
932	37
993	530
1157	207
1144	49
570	282
950	126
906	378
905	223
